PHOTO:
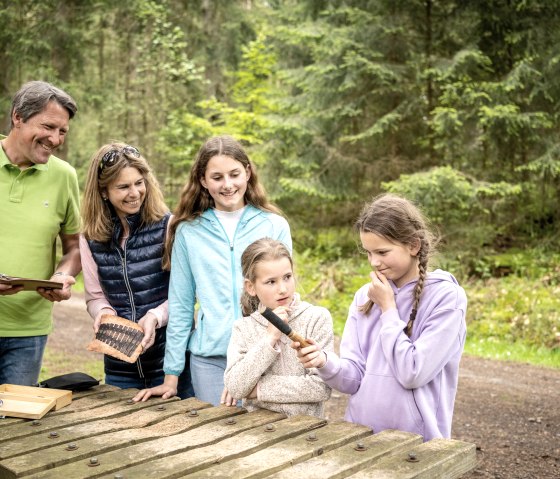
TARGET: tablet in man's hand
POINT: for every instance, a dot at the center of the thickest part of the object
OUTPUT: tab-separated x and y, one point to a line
28	283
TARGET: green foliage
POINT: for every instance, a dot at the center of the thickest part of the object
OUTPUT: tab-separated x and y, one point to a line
531	263
446	196
468	213
507	124
337	80
547	166
326	244
252	88
495	348
479	117
331	284
332	99
515	309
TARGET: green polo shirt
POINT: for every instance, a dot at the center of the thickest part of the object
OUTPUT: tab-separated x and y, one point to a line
36	204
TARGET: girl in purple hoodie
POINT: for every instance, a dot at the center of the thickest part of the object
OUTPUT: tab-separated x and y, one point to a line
405	332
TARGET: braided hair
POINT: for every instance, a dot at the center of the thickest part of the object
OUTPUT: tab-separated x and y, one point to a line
399	220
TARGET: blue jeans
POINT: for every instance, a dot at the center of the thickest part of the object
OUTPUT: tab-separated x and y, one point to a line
208	377
20	359
126	382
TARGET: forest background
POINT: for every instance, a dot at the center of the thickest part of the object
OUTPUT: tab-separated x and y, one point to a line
452	104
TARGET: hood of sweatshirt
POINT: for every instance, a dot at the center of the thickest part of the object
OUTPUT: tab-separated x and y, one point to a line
433	277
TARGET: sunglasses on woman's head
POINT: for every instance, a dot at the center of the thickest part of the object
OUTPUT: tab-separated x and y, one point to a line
112	156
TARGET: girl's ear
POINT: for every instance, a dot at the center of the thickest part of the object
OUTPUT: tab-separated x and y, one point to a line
249	287
414	248
203	182
248	171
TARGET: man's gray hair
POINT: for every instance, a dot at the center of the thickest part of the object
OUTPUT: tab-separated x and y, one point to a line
33	97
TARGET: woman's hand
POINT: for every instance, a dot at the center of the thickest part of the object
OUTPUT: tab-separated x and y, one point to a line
149	324
97	320
167	390
311	356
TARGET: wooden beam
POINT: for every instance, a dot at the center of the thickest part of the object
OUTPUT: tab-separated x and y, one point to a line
437	458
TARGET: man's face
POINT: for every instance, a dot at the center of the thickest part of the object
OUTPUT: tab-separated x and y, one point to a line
40	135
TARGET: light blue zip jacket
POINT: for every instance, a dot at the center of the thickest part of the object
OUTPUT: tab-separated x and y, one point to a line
206	268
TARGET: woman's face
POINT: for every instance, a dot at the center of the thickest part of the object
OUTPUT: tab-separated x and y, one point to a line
127	192
226	180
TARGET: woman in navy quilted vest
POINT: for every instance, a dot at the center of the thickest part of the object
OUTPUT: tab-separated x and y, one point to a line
125	223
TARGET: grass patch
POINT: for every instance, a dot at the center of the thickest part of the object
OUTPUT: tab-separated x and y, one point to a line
56	363
494	348
331	285
515	310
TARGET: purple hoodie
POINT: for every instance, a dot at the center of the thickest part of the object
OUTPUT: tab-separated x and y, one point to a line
397	382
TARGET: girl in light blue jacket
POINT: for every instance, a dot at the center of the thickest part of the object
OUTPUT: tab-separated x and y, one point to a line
222	209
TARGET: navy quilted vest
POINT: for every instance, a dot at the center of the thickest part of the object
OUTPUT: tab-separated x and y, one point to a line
133	282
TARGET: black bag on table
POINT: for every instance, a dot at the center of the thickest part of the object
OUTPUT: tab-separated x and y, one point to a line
70	381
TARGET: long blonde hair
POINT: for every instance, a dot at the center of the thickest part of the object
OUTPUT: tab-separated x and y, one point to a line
97	212
195	199
399	220
264	249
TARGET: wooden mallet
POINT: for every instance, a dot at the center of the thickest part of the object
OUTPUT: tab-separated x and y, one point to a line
284	327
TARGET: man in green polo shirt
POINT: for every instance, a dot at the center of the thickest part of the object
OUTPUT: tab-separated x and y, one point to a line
39	201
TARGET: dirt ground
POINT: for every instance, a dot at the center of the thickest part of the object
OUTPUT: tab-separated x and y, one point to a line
511	411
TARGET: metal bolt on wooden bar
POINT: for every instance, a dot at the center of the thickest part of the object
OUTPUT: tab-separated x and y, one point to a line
360	446
412	457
